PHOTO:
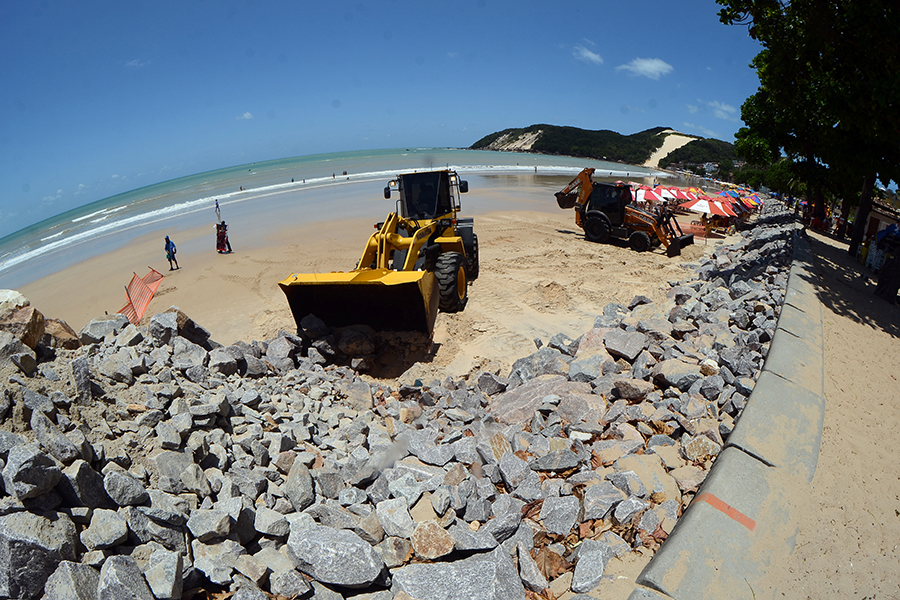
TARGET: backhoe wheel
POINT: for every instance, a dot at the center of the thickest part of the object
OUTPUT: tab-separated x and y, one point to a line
596	229
450	272
639	241
472	259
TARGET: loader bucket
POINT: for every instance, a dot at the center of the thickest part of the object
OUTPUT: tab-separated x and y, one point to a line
383	299
678	243
566	200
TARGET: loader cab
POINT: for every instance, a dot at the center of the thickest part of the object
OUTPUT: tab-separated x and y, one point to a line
611	200
426	196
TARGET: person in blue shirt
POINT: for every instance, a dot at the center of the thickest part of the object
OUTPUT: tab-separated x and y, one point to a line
170	254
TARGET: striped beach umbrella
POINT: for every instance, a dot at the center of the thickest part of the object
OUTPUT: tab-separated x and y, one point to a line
646	194
705	205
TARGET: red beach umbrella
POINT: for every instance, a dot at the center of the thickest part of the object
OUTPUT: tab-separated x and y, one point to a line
705	205
645	194
680	193
727	208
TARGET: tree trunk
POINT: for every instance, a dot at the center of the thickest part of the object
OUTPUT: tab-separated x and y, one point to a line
819	206
845	214
889	279
862	214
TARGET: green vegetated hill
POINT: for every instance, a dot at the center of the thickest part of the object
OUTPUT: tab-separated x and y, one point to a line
601	144
700	151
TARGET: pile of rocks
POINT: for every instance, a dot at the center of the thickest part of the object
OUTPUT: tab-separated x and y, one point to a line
152	461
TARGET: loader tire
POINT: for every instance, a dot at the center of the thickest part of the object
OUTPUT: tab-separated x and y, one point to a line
450	272
472	260
639	241
596	229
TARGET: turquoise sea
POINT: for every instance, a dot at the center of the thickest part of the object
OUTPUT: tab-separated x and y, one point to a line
110	223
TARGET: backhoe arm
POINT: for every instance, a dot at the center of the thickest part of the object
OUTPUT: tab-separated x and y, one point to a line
567	198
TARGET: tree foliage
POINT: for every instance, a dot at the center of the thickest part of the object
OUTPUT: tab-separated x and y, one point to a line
829	93
698	152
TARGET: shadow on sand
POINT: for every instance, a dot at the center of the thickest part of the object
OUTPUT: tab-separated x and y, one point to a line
847	288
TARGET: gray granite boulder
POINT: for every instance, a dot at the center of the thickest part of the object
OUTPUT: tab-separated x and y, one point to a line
124	489
29	472
592	559
559	514
599	499
72	581
624	343
164	575
676	373
107	529
393	515
121	579
488	576
31	548
299	487
52	439
208	525
335	556
164	327
531	575
217	561
81	485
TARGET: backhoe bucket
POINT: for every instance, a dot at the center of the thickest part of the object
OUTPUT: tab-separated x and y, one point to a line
566	200
383	299
678	243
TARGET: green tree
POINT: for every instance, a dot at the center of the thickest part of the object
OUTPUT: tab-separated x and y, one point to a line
829	89
726	168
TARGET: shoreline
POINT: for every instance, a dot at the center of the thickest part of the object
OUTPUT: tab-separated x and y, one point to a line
163	202
539	277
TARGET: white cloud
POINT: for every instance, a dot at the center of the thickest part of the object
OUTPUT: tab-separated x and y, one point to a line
246	115
653	68
582	53
452	54
720	110
137	63
48	200
723	111
706	132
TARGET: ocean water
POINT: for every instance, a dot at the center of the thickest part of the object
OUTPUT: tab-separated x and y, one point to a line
107	224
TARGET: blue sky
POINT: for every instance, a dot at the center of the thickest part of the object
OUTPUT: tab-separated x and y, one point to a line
98	98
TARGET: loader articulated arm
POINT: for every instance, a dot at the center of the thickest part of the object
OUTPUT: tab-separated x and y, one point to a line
388	243
577	192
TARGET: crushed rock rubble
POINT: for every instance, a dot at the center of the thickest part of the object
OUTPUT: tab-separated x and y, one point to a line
144	462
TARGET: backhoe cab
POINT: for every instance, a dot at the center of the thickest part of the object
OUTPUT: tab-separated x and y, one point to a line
419	260
604	211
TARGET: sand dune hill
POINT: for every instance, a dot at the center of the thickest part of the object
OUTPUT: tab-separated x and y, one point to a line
515	143
674	141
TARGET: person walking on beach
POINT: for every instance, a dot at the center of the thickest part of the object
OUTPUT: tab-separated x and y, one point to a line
223	246
170	254
218	211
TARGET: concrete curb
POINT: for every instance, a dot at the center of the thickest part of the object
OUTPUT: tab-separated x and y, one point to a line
740	523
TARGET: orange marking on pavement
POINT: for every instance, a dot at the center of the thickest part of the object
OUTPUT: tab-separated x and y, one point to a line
729	510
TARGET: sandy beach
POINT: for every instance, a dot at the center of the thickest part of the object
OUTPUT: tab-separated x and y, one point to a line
847	545
538	277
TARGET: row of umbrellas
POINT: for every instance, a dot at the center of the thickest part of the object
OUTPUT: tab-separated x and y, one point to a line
727	203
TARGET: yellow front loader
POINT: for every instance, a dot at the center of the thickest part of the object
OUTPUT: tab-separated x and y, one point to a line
419	260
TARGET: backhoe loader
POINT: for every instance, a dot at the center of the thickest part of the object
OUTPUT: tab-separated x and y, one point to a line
419	260
604	210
